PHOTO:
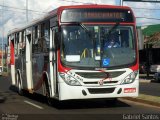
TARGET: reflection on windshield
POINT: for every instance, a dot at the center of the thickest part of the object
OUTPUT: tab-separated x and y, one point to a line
101	48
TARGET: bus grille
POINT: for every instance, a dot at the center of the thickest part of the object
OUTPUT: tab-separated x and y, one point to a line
100	90
105	82
100	74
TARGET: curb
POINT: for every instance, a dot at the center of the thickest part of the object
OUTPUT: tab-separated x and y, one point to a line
144	81
146	99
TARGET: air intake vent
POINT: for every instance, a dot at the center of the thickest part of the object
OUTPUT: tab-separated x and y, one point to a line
100	90
105	82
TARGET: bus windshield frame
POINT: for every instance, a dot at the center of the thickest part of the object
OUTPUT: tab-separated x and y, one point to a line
98	56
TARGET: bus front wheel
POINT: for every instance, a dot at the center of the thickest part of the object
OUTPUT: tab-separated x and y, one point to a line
48	98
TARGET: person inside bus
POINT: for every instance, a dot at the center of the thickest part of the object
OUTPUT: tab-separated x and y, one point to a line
111	43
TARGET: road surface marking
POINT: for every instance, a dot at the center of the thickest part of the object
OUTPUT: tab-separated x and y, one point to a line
37	106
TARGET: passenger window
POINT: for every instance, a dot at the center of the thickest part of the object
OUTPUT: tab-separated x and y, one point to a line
41	37
44	40
23	43
35	39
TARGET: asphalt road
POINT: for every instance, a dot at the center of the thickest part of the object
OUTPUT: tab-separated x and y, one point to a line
35	107
152	88
149	88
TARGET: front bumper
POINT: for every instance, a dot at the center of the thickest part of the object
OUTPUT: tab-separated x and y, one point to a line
67	92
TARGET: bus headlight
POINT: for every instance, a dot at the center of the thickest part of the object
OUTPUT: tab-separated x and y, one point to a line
69	79
130	78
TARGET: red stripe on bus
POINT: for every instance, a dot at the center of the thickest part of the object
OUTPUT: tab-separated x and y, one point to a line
12	53
60	67
135	67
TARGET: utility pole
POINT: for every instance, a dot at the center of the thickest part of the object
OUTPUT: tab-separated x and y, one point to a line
2	34
121	2
27	11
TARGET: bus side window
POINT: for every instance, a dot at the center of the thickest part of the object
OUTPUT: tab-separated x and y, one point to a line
43	39
35	39
45	36
17	43
23	43
38	40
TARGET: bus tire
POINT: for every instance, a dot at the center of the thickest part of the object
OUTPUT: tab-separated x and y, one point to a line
19	85
48	98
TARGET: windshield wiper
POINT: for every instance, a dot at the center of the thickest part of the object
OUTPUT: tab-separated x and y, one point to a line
113	28
84	27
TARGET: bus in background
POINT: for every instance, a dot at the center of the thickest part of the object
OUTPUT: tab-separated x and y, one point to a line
64	54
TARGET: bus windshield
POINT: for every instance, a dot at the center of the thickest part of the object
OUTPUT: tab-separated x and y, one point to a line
98	46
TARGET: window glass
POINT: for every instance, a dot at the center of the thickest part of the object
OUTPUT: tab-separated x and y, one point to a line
41	37
98	45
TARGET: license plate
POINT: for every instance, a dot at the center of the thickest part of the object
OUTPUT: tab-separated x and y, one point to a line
129	90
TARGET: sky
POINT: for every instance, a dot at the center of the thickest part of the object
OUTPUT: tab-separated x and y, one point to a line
14	13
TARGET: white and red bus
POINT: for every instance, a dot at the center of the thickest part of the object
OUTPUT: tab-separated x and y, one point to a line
64	54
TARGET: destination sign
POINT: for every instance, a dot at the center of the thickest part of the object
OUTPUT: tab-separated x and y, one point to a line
96	15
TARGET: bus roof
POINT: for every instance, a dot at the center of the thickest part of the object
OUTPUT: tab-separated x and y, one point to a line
93	6
61	8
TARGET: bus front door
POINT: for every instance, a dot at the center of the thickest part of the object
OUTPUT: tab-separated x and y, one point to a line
53	63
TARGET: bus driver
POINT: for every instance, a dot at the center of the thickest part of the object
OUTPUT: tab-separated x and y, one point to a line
112	42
